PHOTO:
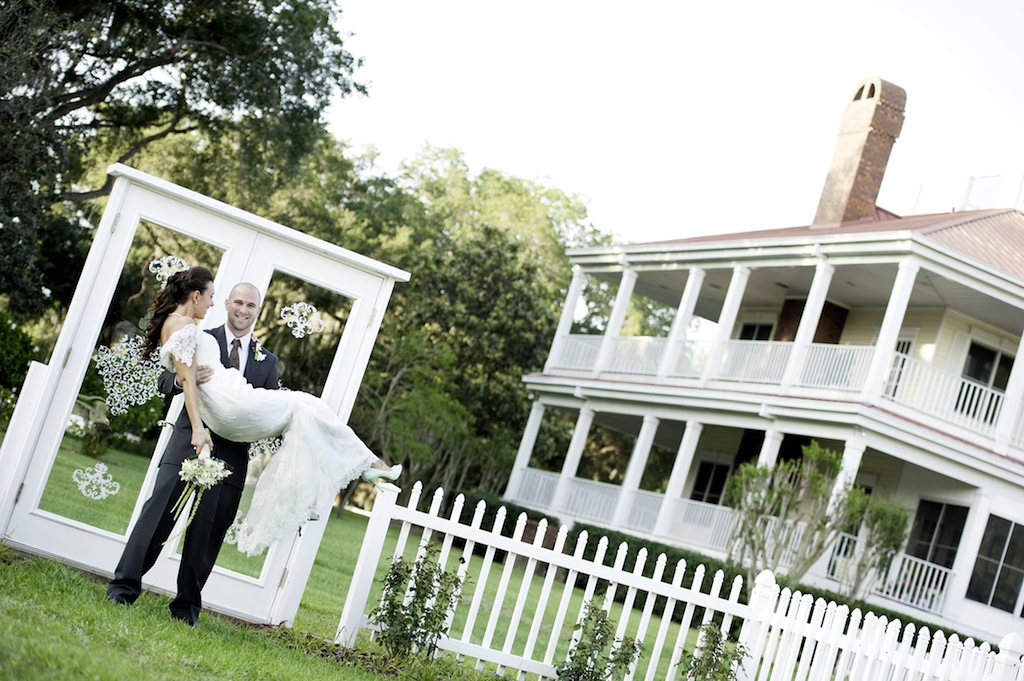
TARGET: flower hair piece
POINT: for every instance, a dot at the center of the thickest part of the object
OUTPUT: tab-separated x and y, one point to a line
166	267
302	318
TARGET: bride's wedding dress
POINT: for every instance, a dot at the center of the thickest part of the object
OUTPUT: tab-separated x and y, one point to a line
319	454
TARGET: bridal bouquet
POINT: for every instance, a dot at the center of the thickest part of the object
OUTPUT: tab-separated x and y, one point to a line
200	473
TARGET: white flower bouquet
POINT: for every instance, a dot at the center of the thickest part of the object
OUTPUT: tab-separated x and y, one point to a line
200	473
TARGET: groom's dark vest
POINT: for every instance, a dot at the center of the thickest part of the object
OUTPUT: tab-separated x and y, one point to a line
260	373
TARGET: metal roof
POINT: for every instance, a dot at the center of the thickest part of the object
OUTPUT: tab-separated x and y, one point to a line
993	237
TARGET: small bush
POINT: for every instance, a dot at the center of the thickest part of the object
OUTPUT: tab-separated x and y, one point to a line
15	353
597	656
417	601
717	659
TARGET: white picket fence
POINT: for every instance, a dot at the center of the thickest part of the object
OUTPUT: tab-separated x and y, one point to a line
787	635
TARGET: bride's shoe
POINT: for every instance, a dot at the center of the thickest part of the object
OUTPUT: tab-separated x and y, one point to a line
374	475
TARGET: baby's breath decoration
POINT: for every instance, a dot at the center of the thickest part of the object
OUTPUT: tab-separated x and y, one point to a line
200	473
263	448
95	483
257	350
231	537
302	318
128	379
166	266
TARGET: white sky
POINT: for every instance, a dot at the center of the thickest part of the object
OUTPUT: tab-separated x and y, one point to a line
674	119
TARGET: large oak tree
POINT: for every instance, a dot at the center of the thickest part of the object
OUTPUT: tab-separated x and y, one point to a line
83	77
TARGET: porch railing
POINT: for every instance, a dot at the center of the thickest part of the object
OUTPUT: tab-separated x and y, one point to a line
699	524
916	582
909	580
644	509
590	500
537	488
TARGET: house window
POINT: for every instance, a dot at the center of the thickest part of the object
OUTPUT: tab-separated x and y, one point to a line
756	332
710	483
999	571
935	535
983	368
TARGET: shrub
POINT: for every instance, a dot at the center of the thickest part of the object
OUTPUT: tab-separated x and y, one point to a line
414	610
15	353
596	655
717	659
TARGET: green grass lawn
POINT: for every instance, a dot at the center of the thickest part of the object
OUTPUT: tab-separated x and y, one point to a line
66	611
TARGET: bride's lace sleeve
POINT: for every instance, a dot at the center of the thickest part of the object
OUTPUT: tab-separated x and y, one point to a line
180	346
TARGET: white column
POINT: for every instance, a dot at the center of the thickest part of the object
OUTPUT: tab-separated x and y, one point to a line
726	320
677	479
681	323
635	470
809	319
572	299
889	333
966	554
572	457
526	446
1011	410
615	319
769	453
853	453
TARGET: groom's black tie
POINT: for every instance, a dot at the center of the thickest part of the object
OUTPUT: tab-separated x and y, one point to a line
233	357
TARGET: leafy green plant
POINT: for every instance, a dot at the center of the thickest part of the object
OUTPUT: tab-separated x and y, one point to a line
716	659
414	610
15	353
597	656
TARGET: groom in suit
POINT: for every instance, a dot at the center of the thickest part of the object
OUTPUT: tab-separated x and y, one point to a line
216	512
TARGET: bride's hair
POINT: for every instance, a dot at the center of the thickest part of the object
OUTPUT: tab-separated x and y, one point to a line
176	291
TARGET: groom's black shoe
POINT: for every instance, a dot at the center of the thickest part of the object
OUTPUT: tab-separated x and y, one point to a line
119	599
187	620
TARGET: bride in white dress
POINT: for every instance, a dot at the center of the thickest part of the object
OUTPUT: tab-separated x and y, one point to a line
319	453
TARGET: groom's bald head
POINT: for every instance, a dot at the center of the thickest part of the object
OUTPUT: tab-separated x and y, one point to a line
243	306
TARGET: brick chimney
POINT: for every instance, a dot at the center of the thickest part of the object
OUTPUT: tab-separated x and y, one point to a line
870	126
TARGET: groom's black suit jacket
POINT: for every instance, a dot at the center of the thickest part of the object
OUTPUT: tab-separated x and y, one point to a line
259	374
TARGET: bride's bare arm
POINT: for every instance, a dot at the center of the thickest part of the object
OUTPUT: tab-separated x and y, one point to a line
187	379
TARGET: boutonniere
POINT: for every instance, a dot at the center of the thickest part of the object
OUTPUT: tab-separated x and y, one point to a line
257	351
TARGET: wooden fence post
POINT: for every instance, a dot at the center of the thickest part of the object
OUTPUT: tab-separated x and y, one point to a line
1007	662
366	566
762	607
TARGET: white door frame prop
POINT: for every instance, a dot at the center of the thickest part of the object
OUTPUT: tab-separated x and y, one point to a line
253	249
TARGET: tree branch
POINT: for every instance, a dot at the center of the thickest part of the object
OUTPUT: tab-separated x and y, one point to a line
78	197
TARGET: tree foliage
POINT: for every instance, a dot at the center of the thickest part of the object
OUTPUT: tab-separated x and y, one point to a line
790	513
95	81
883	532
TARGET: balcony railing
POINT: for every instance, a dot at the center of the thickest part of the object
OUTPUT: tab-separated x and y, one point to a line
753	361
838	367
942	394
909	382
579	353
636	355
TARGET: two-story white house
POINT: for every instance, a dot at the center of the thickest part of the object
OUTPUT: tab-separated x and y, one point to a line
890	339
